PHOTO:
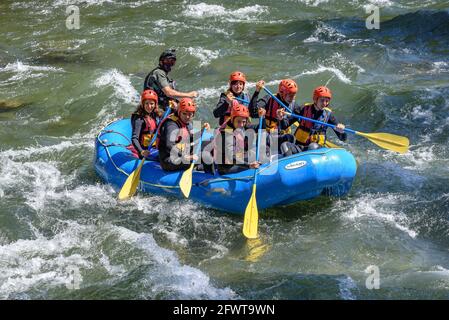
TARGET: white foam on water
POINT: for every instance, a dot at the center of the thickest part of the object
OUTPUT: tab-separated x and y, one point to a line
132	4
27	264
346	284
186	282
45	262
204	55
379	3
27	152
338	73
439	67
325	31
313	3
423	114
416	159
142	39
379	207
121	84
54	119
203	10
23	71
78	2
208	93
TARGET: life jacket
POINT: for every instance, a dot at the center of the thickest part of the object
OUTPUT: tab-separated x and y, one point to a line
148	132
183	139
243	96
307	131
271	120
240	144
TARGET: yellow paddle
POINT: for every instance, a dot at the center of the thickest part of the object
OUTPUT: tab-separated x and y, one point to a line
329	144
384	140
186	180
251	218
129	188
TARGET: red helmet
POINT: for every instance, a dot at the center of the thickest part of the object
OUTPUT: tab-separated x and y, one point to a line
187	105
322	92
239	110
148	95
288	86
237	76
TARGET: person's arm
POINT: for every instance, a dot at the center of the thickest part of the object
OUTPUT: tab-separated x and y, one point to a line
341	135
253	104
252	107
136	124
164	84
174	94
222	106
297	109
262	103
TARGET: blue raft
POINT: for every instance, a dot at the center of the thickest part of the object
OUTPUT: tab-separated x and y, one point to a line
282	181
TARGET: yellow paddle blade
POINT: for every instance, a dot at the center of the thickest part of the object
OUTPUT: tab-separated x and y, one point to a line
186	181
251	219
387	141
131	183
329	144
256	249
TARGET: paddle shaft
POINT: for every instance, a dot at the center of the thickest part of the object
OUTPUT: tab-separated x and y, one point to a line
198	149
259	134
165	115
305	118
241	100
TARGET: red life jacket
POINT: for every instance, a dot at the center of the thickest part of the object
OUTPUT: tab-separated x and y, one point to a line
148	132
271	119
243	96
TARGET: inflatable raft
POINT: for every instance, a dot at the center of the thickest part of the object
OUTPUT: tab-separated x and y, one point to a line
283	181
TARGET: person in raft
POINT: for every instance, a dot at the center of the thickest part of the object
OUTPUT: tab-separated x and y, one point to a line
144	124
308	135
163	84
175	137
276	123
237	81
234	143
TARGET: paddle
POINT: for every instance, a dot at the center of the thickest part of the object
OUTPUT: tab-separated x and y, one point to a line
130	186
384	140
251	218
186	180
241	100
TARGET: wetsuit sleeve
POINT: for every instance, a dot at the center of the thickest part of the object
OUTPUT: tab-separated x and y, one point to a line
137	124
342	136
296	110
262	103
222	107
252	107
284	124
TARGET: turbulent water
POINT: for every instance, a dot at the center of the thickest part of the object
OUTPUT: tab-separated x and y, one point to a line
63	234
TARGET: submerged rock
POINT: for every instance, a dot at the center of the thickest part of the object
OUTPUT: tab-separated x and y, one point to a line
9	105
